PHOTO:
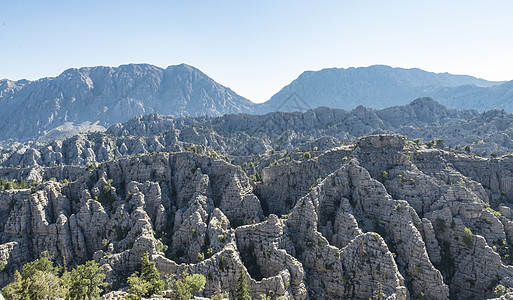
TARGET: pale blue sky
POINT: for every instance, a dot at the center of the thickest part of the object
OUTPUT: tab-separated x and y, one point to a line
257	47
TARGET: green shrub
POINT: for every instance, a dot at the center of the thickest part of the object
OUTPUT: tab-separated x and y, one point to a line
38	279
222	238
468	237
495	213
384	175
87	280
8	184
188	285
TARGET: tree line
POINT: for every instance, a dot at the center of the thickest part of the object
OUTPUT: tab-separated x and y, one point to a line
40	279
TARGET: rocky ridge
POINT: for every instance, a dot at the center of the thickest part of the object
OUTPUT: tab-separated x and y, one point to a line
382	217
94	98
254	141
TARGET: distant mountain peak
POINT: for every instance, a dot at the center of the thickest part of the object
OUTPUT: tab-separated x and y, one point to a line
106	95
376	86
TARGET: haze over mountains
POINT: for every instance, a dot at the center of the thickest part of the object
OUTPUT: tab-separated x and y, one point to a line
383	86
93	98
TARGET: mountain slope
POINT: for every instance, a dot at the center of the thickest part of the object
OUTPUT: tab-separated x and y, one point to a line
374	86
474	97
81	97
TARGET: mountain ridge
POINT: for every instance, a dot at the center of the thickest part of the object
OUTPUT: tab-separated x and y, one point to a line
239	136
376	86
110	95
94	98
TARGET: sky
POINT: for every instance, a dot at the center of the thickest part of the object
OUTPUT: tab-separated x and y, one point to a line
257	47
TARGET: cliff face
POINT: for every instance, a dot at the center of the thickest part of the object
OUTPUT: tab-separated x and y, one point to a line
383	216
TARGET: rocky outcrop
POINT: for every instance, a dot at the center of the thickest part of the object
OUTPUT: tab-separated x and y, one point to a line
246	138
283	185
382	218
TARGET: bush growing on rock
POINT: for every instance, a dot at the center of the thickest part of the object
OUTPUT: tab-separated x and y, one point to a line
7	184
468	237
38	279
87	280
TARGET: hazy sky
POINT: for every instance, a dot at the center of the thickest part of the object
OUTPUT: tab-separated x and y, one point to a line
257	47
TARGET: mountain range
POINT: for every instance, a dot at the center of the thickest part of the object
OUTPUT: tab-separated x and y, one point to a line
94	98
383	86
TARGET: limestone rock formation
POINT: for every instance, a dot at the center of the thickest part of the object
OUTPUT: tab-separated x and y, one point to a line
384	217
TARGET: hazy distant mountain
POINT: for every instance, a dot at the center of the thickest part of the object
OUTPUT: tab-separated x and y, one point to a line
375	86
474	97
93	98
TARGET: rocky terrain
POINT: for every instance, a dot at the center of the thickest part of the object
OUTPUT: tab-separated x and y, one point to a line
383	217
256	141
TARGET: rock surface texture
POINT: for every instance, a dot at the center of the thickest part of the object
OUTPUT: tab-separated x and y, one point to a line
382	218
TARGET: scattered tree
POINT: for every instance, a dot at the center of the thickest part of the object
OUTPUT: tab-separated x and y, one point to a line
150	274
87	281
188	285
242	292
38	279
148	283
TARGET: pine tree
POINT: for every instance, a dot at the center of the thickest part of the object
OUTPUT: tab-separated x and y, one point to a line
242	292
151	275
14	290
185	287
149	283
38	279
138	287
87	280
